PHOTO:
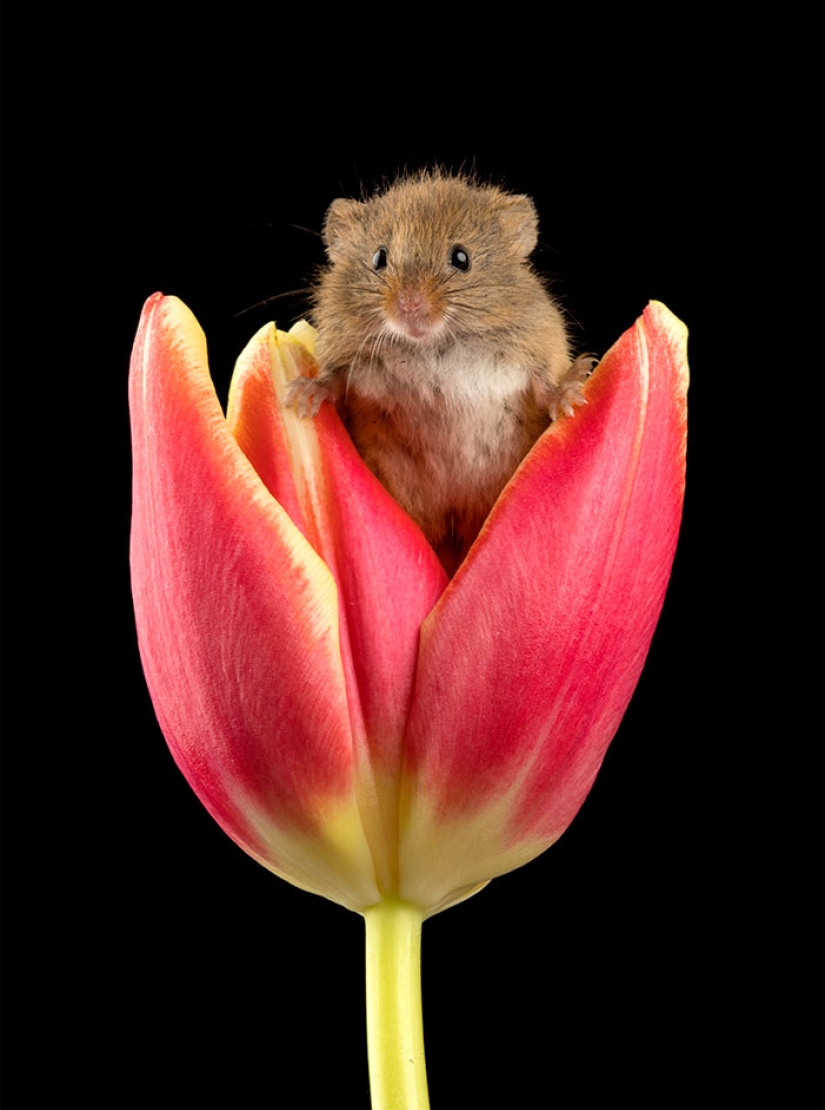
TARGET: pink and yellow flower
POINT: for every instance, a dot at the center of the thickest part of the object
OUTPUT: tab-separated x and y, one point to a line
356	722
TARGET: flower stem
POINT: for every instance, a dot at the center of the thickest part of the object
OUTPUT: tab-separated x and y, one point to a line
395	1034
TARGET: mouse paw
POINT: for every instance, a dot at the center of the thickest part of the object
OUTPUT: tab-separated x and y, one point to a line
571	390
306	395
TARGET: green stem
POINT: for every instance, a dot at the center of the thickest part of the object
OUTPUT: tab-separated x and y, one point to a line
395	1034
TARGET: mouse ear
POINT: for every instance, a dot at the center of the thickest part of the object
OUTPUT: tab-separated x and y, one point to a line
520	222
342	220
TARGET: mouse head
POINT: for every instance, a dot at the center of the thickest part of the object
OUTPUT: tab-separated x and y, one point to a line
432	254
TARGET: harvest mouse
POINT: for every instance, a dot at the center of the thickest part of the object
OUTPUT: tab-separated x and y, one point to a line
442	349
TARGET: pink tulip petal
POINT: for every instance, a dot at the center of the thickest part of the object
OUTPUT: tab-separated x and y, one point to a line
254	417
528	662
388	576
386	571
238	626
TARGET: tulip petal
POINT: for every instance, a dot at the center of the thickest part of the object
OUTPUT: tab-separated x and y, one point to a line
238	627
388	576
530	658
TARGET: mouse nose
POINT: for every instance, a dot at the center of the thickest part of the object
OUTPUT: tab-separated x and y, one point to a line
413	314
412	301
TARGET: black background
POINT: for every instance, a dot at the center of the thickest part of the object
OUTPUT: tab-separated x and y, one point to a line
666	952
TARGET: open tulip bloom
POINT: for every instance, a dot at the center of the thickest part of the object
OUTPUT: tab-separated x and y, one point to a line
359	724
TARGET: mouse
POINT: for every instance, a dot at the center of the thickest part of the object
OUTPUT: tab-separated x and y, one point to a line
440	345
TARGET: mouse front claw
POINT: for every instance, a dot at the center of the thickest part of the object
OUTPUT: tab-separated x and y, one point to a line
571	389
306	395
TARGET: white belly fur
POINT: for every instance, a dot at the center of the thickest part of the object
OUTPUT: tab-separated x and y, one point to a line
444	431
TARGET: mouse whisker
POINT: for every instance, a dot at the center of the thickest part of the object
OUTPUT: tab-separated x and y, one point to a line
305	292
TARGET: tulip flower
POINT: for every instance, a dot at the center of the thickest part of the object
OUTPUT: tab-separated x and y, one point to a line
359	724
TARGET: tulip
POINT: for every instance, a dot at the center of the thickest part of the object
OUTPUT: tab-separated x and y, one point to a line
359	724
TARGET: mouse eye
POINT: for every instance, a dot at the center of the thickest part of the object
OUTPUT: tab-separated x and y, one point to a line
379	259
459	258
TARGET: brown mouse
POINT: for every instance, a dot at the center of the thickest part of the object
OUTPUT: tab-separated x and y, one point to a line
444	352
